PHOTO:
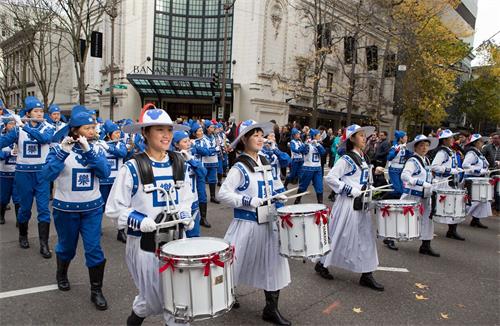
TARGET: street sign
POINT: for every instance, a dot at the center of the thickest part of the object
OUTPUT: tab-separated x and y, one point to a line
117	86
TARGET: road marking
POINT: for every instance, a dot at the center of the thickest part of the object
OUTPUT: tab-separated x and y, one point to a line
393	269
37	289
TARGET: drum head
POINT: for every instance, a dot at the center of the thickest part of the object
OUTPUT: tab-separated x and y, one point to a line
301	208
450	191
396	202
194	247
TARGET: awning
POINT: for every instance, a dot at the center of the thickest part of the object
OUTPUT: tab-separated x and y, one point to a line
177	86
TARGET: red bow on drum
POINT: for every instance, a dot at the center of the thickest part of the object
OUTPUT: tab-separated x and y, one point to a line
421	209
169	262
466	197
321	216
494	181
286	219
408	209
442	198
215	259
385	211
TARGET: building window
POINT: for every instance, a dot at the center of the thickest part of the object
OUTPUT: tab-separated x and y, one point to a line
390	65
350	49
329	81
372	57
324	35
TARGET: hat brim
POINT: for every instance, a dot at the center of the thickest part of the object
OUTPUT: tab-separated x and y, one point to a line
433	141
267	128
369	130
452	135
484	139
136	127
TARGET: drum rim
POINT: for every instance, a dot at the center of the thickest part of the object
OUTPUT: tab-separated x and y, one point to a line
399	204
450	191
281	209
195	239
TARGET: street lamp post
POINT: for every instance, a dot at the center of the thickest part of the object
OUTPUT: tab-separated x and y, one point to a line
227	7
398	93
113	13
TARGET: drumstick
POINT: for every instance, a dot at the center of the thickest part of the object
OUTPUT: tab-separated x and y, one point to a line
281	193
171	223
443	181
496	170
298	195
374	189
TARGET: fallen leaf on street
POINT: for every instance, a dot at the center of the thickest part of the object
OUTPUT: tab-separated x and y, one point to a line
444	315
421	286
420	297
357	310
460	305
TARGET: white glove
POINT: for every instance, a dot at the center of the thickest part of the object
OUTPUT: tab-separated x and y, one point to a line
18	120
484	171
379	170
282	198
355	192
148	225
256	202
427	185
455	171
84	144
187	220
104	144
67	144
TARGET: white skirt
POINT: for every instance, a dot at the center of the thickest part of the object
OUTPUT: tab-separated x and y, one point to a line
426	224
480	210
352	238
258	263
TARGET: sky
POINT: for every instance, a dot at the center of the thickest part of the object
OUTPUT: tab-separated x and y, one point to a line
487	22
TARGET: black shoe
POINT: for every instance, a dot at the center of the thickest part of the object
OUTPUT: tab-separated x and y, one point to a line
454	235
390	244
121	236
211	186
203	216
96	274
323	271
236	304
134	320
271	313
43	235
297	200
62	275
368	281
3	209
477	222
428	251
319	198
23	235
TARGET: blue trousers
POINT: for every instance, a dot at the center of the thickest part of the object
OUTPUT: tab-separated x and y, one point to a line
202	191
8	189
195	232
105	189
295	170
212	174
220	165
69	225
395	178
32	185
311	175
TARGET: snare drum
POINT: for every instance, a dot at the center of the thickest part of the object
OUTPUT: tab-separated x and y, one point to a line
197	278
449	206
480	189
303	230
398	219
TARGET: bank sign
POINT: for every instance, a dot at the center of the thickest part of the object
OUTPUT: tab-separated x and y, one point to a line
172	71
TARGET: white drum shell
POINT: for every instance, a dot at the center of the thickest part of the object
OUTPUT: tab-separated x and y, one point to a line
188	294
305	239
481	190
397	226
452	209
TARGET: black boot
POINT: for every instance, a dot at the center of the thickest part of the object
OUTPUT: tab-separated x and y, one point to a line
219	180
271	313
212	193
452	233
323	271
121	236
3	208
236	304
286	184
203	216
319	198
474	222
62	274
425	249
16	208
23	235
390	244
134	320
96	275
297	200
368	281
43	235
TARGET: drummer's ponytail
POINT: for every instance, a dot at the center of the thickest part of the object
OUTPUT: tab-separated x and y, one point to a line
349	145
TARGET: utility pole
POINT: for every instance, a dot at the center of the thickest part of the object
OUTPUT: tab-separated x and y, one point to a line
227	7
113	13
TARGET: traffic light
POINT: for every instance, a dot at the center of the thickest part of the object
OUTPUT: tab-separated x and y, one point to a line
215	79
216	100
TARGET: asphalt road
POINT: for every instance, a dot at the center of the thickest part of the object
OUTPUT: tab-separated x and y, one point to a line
460	287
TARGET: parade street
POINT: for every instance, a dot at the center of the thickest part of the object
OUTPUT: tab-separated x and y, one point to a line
460	287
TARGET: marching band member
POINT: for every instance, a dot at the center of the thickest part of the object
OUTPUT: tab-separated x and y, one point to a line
444	165
211	161
221	143
476	165
75	167
116	151
8	157
55	117
197	174
137	209
417	185
352	239
259	264
311	170
33	139
278	160
199	150
296	148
